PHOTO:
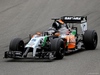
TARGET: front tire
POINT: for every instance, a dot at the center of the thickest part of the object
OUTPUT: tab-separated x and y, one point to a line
58	45
16	44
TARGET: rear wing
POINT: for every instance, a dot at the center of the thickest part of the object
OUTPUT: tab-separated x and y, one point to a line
74	19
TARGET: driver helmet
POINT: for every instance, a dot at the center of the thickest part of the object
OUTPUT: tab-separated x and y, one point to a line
58	24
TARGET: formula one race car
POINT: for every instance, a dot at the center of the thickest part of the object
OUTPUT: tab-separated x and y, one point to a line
61	38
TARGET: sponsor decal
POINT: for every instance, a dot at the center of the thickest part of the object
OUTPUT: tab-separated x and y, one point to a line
34	40
72	18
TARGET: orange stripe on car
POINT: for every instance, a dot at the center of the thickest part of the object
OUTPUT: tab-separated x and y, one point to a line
61	21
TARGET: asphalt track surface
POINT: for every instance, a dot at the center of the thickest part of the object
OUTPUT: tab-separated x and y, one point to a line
18	18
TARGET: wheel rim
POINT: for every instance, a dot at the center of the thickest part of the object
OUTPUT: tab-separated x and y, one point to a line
61	51
95	40
21	46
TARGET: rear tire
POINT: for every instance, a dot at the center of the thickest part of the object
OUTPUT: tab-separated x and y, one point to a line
90	39
16	44
58	45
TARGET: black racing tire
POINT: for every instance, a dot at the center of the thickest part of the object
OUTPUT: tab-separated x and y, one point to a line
90	39
16	44
57	45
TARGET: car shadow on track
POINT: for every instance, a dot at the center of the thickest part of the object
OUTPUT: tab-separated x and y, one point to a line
78	51
28	60
75	52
